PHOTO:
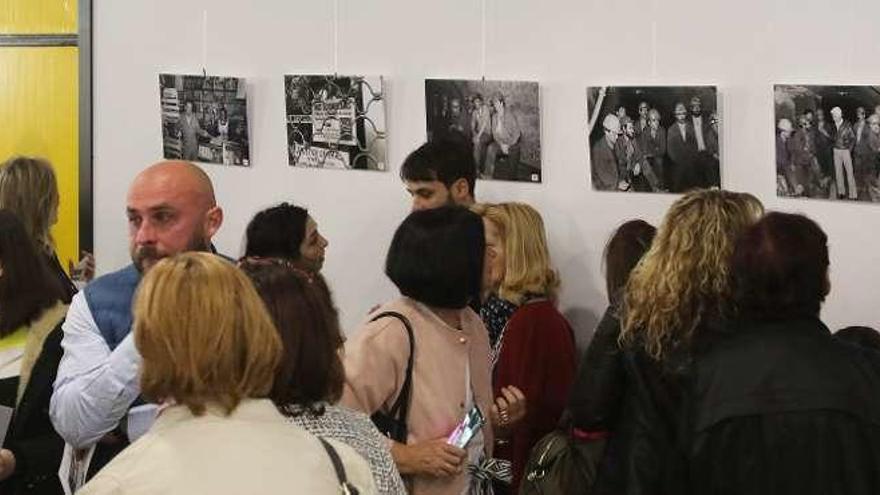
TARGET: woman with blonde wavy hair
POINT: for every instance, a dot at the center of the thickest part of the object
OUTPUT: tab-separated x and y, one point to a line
29	189
674	301
533	350
210	351
683	282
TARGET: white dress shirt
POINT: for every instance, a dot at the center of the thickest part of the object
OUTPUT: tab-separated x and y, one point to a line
698	132
94	386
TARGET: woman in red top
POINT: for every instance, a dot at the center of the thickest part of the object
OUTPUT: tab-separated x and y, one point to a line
533	351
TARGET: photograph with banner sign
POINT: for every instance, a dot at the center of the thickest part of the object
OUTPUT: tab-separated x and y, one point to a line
335	122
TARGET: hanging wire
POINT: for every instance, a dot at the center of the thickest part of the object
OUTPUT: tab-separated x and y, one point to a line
483	38
336	38
654	39
205	43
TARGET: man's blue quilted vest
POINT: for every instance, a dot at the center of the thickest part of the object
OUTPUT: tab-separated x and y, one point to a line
110	298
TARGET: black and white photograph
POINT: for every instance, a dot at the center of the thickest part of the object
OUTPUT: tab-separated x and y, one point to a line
204	119
827	142
662	139
499	120
335	122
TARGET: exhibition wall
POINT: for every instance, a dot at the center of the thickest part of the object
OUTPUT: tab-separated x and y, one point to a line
742	47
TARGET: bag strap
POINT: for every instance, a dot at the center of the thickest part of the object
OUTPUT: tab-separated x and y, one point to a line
400	409
346	487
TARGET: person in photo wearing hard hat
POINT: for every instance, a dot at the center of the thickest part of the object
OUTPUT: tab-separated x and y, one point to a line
783	154
604	170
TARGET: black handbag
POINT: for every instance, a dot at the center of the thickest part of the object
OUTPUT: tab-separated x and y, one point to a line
562	464
393	423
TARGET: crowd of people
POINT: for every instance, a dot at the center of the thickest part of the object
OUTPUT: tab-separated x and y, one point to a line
710	372
639	154
833	160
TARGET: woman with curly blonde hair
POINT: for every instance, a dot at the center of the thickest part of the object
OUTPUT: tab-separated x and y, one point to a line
673	300
683	281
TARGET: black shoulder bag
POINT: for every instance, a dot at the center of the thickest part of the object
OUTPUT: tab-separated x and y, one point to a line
345	487
393	423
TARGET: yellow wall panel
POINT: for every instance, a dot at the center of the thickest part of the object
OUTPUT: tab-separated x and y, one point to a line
38	16
38	112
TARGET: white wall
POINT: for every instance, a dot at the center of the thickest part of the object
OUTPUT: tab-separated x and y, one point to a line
741	46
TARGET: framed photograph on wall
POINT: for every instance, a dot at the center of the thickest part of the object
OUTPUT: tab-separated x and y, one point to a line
654	138
335	122
499	120
204	119
827	141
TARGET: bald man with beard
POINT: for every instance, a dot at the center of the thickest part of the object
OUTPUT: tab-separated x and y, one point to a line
171	209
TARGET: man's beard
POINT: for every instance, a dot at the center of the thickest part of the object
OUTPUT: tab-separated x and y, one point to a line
145	257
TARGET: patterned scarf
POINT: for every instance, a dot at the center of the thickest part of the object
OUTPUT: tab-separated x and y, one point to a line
495	313
485	471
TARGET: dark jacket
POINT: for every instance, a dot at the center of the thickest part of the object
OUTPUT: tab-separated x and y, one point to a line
31	436
682	151
639	401
843	138
599	385
653	146
603	166
783	408
783	154
802	148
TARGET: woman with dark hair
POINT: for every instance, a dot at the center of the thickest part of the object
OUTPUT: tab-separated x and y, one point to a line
309	379
31	312
598	390
780	406
288	232
435	260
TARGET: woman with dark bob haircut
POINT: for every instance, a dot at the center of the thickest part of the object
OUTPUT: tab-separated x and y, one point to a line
436	261
309	379
781	407
289	232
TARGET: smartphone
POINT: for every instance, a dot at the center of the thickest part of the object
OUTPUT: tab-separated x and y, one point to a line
466	430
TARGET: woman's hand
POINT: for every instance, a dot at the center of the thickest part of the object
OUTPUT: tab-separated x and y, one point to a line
508	410
7	464
429	458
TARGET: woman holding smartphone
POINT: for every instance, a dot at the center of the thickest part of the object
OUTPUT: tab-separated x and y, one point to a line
435	260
